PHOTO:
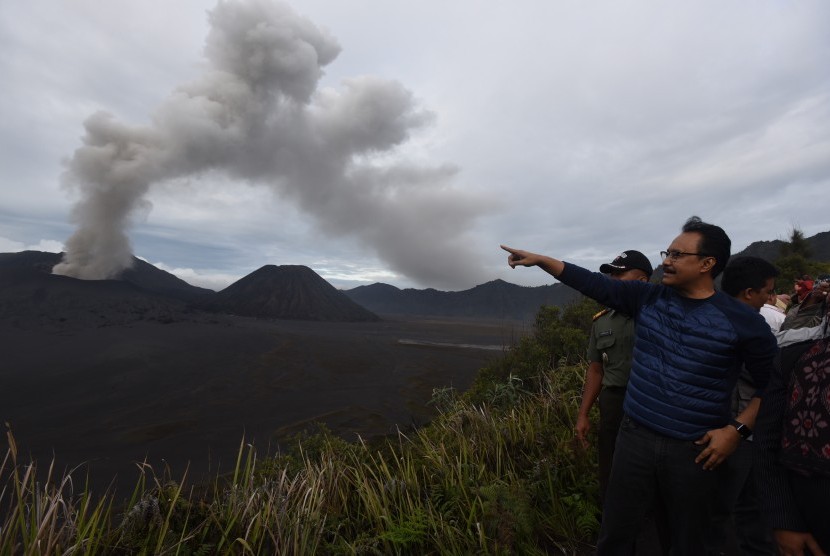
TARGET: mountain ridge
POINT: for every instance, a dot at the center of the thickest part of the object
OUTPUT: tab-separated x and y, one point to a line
285	291
501	299
495	299
32	297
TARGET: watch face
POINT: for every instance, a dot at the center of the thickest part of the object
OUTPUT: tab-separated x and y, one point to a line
742	429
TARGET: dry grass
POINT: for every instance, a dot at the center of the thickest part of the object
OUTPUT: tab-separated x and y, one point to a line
477	480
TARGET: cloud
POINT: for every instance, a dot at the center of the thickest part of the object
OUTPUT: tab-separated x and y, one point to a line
259	115
598	127
12	246
211	280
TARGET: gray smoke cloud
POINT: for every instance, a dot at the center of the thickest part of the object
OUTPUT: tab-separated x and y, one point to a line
259	115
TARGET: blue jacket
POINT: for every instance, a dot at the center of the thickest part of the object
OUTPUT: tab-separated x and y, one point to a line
687	352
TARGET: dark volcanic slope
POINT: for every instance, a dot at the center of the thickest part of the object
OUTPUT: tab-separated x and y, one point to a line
148	277
27	262
28	265
45	301
32	298
497	299
288	292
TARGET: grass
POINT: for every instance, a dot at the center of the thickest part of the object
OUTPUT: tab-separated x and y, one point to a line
496	472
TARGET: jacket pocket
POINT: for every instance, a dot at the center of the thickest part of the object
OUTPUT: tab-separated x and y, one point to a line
605	342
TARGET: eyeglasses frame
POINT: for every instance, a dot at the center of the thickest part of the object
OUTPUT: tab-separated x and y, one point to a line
674	255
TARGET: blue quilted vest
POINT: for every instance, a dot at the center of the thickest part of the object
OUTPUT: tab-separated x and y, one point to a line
687	352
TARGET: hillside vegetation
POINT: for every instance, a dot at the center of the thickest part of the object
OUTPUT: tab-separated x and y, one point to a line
496	472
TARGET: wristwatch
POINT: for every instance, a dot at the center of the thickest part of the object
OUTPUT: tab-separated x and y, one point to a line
742	429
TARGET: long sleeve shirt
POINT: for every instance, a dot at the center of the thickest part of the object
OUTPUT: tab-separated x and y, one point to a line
687	352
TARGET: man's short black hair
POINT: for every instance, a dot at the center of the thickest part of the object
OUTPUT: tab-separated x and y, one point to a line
746	272
713	242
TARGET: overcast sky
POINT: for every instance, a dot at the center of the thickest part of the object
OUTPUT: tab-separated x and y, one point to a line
402	142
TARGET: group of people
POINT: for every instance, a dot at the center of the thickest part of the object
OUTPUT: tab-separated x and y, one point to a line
696	401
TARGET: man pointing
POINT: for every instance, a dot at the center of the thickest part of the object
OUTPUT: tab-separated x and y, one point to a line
690	342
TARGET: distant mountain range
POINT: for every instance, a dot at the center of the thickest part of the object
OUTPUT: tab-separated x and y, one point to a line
29	291
32	296
770	250
497	299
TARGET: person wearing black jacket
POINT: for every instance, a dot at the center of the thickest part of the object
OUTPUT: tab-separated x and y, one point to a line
796	501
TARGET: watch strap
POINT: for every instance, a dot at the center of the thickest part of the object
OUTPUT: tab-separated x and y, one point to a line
742	429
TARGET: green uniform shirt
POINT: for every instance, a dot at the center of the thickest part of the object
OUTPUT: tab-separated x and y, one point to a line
612	343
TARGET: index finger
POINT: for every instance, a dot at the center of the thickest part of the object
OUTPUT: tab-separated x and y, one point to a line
712	463
508	249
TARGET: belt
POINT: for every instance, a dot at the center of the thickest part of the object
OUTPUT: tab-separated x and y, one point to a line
614	388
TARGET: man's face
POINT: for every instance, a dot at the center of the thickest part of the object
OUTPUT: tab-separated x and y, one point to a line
685	269
756	298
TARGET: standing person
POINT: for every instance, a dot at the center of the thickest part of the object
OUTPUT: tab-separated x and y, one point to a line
772	313
690	341
807	312
609	363
802	288
750	280
793	435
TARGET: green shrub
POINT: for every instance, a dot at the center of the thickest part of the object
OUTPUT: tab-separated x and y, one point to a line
559	338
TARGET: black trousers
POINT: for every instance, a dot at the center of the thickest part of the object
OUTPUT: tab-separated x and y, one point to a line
610	416
813	496
648	465
736	507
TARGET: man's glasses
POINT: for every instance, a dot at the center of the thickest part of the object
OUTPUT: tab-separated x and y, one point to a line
674	254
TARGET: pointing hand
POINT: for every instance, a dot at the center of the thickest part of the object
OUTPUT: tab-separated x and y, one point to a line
518	257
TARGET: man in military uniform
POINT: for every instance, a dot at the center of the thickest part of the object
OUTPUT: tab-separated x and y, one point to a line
609	356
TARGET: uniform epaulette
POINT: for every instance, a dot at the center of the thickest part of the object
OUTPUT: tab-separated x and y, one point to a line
598	315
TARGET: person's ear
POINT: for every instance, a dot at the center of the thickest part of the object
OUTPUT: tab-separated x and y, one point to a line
747	293
708	263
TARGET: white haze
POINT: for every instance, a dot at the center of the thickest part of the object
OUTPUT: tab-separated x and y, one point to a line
598	126
260	116
47	245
